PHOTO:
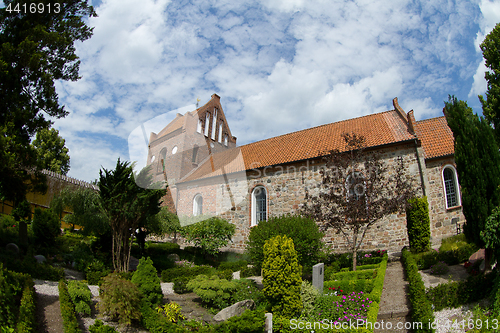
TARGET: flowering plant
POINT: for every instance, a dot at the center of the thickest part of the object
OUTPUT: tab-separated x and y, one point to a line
467	264
342	308
439	269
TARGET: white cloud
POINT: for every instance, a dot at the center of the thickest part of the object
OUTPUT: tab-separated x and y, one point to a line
278	65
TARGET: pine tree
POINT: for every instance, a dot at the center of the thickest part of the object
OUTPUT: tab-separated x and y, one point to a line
478	166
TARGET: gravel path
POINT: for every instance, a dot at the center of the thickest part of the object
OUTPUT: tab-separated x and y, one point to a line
48	311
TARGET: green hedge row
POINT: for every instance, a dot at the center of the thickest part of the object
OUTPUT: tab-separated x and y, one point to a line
421	306
283	325
354	275
425	260
26	322
70	323
349	286
455	294
169	275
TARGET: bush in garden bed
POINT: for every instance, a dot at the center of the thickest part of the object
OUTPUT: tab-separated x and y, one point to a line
169	275
99	327
456	256
26	322
363	274
70	323
233	266
303	231
81	297
455	294
421	306
250	321
120	299
247	289
147	280
212	290
348	286
95	271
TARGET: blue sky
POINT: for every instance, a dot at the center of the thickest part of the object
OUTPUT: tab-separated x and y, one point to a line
278	65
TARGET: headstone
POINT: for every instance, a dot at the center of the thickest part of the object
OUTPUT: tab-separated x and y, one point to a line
319	276
174	257
234	310
11	247
269	323
40	259
236	275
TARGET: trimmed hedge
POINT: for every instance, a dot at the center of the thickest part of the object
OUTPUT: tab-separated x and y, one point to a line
421	306
455	294
418	224
26	322
354	275
457	256
349	286
70	323
169	275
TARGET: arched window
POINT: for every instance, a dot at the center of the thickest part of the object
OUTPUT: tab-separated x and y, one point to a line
220	132
161	159
198	127
259	205
214	124
355	185
197	205
207	123
451	189
225	140
195	154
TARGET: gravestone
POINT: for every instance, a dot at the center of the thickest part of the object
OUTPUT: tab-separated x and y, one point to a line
319	276
269	323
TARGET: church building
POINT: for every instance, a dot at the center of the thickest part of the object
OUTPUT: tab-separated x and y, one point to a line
208	174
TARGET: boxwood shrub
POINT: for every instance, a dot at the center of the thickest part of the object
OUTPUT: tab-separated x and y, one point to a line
26	322
418	224
303	231
169	275
70	323
421	306
455	294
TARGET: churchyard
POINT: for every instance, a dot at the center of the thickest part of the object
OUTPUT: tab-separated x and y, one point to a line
170	289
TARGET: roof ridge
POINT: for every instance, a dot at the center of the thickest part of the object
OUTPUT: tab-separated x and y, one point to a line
434	118
318	126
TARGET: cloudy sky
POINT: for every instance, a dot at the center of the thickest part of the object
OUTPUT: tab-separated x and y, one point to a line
278	65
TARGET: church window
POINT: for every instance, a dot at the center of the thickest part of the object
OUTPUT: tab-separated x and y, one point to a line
225	140
197	205
198	127
161	159
214	124
451	188
207	123
259	205
174	150
152	159
195	154
220	132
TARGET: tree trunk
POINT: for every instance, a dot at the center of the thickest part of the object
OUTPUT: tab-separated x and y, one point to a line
354	250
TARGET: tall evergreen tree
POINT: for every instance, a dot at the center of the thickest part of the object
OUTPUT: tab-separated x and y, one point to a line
36	49
127	206
478	165
491	105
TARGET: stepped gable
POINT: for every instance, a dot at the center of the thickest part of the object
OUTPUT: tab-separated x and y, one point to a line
436	137
379	129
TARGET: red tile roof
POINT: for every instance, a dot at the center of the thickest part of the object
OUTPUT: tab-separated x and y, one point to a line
436	136
378	129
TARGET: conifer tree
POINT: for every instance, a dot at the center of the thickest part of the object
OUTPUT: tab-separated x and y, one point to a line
478	165
491	105
282	276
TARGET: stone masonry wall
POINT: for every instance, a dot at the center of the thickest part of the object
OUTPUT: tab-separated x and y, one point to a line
286	187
